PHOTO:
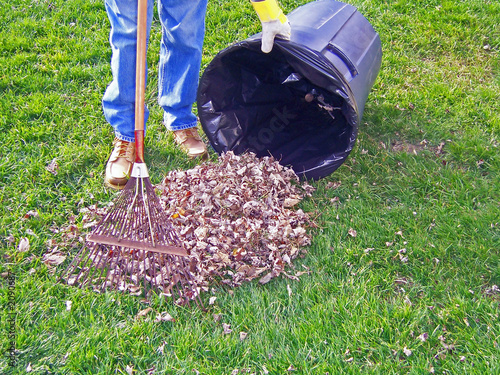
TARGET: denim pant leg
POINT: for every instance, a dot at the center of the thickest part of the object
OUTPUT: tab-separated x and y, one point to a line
119	99
183	30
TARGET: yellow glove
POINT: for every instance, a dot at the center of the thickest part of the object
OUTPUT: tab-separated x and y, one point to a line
274	22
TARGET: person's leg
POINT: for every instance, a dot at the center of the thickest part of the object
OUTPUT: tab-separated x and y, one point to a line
119	99
183	29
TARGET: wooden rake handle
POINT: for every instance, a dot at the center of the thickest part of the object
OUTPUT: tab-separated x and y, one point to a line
140	78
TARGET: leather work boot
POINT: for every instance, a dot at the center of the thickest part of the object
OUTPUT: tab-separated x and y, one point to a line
190	142
120	164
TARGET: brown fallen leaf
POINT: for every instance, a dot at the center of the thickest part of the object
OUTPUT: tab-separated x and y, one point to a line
53	259
24	245
164	317
143	312
265	279
352	232
290	202
423	337
31	214
333	184
52	167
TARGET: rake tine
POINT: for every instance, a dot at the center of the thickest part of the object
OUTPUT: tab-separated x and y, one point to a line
159	275
163	287
84	264
134	273
145	201
71	266
145	271
104	268
129	211
191	280
89	277
152	274
111	266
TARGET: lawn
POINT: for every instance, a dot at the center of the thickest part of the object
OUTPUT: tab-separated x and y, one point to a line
404	262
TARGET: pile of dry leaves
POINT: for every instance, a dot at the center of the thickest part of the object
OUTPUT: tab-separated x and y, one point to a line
236	218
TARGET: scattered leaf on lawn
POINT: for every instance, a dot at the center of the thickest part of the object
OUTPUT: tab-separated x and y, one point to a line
265	279
211	301
129	370
227	328
24	244
243	335
143	312
31	214
352	232
29	368
53	259
68	305
52	167
407	351
423	337
333	185
164	317
289	290
161	348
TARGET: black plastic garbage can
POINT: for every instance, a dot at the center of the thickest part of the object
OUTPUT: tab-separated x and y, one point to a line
303	102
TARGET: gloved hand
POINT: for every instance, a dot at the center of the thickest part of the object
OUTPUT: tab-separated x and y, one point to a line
274	23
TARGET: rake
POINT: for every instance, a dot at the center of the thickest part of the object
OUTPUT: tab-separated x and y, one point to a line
135	247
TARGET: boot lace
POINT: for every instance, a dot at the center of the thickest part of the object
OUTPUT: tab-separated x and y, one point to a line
123	149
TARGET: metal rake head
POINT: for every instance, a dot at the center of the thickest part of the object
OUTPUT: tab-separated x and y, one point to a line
135	248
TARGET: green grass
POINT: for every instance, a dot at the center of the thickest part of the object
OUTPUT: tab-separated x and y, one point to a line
366	301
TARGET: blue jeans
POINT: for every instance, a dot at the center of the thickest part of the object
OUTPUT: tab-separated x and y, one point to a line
183	29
